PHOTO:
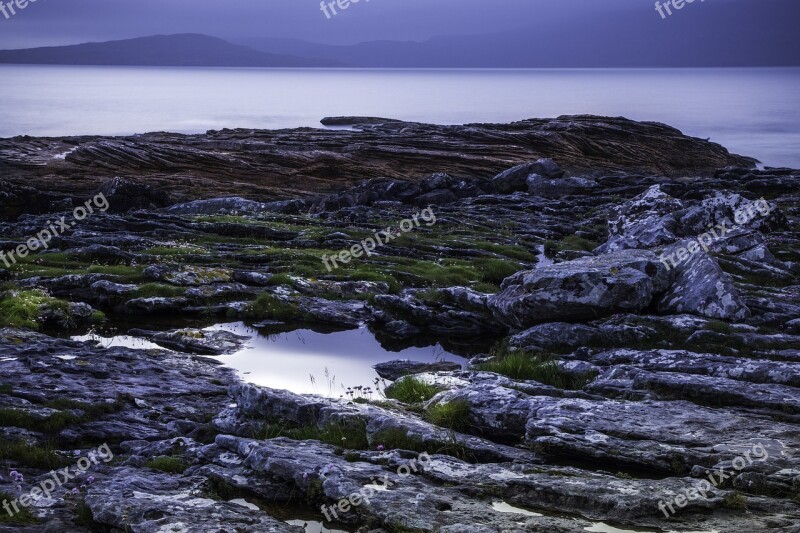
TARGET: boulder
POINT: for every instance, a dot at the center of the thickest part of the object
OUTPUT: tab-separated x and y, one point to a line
581	289
643	222
516	179
701	287
394	370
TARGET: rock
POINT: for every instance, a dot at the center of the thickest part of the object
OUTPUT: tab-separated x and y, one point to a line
155	305
195	341
188	275
258	279
581	289
67	317
516	179
559	187
124	195
701	287
218	206
150	501
644	222
453	311
393	370
564	336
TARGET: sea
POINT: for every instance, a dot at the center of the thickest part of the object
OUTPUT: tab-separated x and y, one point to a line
753	112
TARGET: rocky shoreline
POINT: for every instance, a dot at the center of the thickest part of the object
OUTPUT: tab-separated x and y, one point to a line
621	353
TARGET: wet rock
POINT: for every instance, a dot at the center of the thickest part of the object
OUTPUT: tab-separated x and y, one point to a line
455	310
394	370
68	317
202	342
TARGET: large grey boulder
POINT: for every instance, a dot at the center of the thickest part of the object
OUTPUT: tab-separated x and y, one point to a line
644	222
701	287
516	179
583	289
548	187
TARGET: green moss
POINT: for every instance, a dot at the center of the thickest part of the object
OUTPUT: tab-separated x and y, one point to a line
170	465
540	367
574	242
718	326
32	456
495	270
70	413
411	390
20	309
158	290
398	439
452	415
270	307
736	501
281	279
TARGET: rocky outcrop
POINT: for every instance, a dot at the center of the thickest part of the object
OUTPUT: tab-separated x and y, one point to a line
581	289
605	381
262	163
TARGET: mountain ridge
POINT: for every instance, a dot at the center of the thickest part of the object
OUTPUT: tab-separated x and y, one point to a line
177	50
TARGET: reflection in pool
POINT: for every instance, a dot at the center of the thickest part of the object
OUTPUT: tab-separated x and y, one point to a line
298	361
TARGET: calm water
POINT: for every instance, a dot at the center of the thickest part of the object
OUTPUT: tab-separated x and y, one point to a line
754	112
289	361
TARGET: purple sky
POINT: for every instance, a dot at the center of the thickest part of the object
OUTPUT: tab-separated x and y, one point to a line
55	22
705	32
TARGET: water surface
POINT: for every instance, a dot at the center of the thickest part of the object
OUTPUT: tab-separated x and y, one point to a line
754	112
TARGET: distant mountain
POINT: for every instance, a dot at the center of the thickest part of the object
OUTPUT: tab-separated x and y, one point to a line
702	35
184	50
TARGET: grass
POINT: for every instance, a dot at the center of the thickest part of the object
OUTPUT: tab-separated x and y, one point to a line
451	415
20	309
22	453
350	436
56	422
717	326
158	290
170	465
519	365
411	390
270	307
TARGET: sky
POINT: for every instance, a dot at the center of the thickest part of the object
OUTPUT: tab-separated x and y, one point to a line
58	22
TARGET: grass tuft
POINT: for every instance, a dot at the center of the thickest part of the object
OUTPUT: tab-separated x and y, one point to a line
519	365
411	390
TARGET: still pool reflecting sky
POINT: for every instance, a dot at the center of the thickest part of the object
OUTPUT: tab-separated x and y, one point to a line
288	360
